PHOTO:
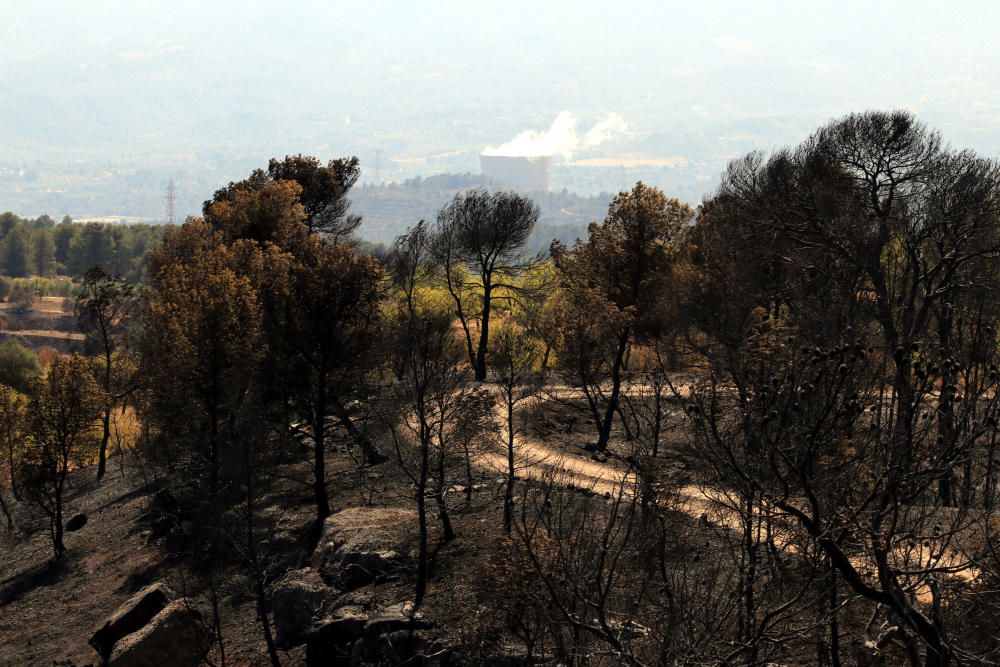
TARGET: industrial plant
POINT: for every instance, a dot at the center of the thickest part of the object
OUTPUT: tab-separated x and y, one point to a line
530	174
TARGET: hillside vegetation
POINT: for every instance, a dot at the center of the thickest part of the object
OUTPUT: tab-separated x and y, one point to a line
762	431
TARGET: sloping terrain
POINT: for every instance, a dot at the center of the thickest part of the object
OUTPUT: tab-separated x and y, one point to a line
47	612
46	321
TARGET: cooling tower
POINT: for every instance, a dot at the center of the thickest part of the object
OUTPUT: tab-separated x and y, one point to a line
521	173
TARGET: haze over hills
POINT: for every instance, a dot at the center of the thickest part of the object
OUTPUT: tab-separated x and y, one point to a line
365	411
100	110
388	209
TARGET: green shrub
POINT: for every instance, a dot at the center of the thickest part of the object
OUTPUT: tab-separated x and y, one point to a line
41	286
18	365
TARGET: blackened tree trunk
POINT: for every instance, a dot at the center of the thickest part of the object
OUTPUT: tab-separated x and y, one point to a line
946	414
272	651
371	452
57	521
508	497
484	329
255	569
604	435
421	498
319	462
14	489
6	513
102	453
834	621
447	531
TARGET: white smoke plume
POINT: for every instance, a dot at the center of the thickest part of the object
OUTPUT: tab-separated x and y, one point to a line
562	138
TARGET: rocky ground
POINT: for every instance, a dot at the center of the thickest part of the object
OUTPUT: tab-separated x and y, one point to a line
351	595
48	611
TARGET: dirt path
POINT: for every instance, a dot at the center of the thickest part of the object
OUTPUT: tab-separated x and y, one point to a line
49	305
536	460
44	333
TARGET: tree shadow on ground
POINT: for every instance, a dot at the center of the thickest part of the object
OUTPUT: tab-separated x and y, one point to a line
46	574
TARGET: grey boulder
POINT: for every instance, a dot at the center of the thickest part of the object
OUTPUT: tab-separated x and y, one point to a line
131	616
360	544
176	636
296	601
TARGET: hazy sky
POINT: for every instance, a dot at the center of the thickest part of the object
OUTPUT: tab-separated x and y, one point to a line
329	56
196	80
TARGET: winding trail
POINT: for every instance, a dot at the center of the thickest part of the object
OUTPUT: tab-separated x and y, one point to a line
540	462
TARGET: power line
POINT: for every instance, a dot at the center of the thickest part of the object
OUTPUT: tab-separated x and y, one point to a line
171	203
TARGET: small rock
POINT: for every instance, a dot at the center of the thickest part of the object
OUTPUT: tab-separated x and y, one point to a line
76	523
161	527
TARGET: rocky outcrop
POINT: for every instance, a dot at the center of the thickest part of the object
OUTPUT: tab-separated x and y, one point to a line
389	636
398	648
329	641
149	630
296	601
176	636
134	614
360	544
394	618
286	535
